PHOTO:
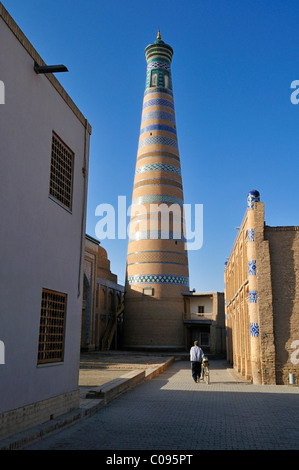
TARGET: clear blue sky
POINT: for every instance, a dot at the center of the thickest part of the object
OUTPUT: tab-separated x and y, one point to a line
233	65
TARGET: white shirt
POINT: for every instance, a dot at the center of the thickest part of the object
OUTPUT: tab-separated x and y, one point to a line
196	354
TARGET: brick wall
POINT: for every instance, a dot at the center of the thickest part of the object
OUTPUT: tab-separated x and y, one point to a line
284	255
21	419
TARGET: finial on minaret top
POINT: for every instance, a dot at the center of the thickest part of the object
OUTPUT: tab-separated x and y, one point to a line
159	35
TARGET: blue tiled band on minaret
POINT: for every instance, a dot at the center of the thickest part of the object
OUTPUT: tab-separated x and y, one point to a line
158	279
158	140
158	102
158	115
155	64
158	167
158	127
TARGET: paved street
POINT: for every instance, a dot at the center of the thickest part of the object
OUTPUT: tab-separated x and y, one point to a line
171	412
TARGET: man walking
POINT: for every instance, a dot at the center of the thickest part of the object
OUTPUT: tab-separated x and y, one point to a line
196	354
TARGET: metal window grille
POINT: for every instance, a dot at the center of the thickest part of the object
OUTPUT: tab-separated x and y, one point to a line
61	175
52	327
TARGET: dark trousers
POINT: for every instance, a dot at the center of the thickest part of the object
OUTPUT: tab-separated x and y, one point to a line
196	369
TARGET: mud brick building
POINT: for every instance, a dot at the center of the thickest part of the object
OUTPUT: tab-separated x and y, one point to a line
262	299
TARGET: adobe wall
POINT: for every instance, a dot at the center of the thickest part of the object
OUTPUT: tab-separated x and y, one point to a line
284	255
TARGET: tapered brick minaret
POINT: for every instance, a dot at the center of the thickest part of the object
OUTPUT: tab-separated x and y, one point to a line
157	261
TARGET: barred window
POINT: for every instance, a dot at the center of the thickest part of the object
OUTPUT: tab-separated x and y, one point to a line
61	175
52	327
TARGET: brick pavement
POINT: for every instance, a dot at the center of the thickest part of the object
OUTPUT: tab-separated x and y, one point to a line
171	412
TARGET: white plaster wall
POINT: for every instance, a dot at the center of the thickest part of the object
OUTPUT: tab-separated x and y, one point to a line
39	240
201	300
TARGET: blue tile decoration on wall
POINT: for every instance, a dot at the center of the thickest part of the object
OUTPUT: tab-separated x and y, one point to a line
157	279
158	167
158	102
250	235
164	115
254	329
252	267
158	140
253	296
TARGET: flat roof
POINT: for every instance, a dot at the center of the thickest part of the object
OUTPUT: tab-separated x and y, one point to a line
191	293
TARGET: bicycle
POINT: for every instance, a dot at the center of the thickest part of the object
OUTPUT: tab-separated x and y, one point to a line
205	374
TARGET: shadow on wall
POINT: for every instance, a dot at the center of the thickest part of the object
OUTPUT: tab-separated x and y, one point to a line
284	245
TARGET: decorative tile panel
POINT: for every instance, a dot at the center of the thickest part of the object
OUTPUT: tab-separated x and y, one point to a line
158	279
253	196
254	329
158	102
158	140
252	267
158	65
250	235
158	167
164	115
253	296
158	127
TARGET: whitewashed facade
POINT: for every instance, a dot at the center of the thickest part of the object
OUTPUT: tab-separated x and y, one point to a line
43	171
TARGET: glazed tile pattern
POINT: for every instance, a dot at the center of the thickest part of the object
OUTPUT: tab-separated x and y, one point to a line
252	267
158	102
253	196
254	330
158	140
253	296
157	279
158	167
158	65
158	127
250	235
157	115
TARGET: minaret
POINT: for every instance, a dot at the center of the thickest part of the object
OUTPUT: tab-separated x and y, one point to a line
157	260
